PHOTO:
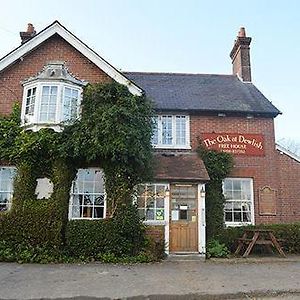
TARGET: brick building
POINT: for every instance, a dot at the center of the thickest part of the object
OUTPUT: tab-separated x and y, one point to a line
47	72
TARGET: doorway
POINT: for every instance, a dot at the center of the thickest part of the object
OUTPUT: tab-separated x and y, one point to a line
183	218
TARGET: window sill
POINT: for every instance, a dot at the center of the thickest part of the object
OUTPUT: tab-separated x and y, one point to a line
238	224
154	222
180	147
86	218
57	127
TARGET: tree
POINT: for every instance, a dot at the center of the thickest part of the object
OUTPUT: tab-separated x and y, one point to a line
291	145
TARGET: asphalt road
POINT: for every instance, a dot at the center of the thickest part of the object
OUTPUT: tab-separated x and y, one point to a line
229	279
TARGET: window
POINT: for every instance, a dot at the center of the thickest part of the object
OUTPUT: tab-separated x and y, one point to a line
171	131
87	199
151	201
51	99
30	101
48	104
238	209
71	102
7	175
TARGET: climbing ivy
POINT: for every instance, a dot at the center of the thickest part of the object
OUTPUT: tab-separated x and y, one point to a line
113	133
218	165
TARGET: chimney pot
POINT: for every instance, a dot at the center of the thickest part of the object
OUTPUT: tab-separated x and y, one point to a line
30	28
242	32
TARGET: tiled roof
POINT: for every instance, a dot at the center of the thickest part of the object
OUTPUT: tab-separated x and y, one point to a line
202	92
179	167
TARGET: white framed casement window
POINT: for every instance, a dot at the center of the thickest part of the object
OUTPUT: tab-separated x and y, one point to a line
171	131
51	99
239	201
87	197
30	101
151	202
7	175
50	104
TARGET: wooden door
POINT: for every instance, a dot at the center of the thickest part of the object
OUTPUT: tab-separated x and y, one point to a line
183	218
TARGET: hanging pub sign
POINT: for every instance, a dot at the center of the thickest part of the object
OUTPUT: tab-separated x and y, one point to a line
235	143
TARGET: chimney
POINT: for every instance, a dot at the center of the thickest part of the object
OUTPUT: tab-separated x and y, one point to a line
240	55
27	35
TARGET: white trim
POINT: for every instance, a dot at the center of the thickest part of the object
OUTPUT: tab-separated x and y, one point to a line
201	220
167	220
57	28
236	224
285	151
174	145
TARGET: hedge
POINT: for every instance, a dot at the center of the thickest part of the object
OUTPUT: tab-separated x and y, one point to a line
288	233
121	236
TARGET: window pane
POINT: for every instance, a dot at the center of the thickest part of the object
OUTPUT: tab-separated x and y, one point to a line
48	104
46	90
160	203
98	213
180	130
30	101
236	185
70	104
150	214
155	131
228	216
167	130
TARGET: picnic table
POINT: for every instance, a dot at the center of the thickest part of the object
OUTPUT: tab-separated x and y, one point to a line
253	237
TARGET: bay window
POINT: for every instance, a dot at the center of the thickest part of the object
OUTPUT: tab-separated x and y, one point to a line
171	131
51	99
238	208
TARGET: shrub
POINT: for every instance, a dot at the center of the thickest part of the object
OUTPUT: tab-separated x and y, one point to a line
110	240
216	249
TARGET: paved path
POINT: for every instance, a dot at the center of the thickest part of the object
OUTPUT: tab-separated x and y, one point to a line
186	279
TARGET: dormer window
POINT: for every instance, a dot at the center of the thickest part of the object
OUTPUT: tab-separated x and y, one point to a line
51	99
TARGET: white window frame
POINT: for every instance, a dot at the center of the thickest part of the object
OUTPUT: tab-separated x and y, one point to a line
174	144
33	121
10	192
165	208
72	194
251	202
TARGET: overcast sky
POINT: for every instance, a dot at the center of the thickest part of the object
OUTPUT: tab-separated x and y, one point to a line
191	36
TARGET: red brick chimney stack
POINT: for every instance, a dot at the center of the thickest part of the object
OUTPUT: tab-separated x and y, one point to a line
27	35
240	55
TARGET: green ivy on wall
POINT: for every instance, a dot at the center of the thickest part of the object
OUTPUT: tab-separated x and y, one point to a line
113	133
218	165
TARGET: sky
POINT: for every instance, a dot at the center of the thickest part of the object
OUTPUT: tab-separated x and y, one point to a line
190	36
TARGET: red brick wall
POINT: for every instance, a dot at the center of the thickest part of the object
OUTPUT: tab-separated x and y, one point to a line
289	178
55	48
263	169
